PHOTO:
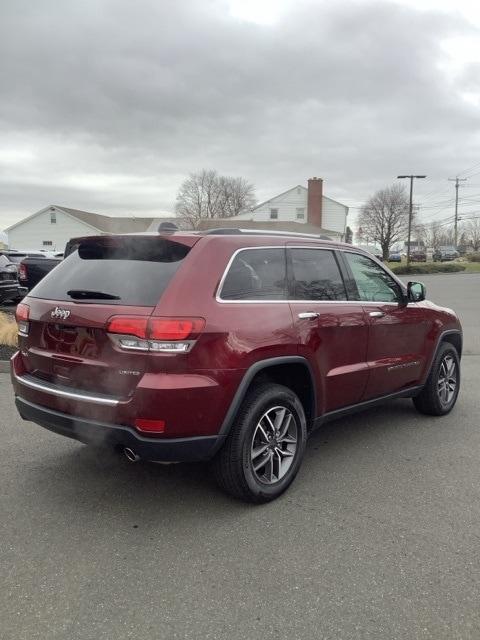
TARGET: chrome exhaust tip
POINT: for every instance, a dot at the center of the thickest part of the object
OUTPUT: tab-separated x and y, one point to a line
131	455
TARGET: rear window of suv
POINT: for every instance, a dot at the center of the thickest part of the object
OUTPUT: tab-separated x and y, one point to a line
130	271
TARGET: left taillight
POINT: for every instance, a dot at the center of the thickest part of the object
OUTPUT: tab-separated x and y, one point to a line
159	335
22	315
22	272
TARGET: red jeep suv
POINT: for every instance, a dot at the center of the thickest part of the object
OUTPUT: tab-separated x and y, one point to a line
229	345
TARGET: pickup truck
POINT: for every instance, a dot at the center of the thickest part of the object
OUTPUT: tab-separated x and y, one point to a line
10	288
32	269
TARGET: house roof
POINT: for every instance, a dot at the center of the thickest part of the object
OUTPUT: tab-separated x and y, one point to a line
104	223
269	225
109	224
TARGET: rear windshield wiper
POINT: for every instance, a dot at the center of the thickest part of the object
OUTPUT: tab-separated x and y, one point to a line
84	294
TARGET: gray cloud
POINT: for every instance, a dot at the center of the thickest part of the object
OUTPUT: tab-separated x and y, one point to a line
106	105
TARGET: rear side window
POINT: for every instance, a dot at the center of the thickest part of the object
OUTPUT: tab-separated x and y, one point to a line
316	275
256	274
131	271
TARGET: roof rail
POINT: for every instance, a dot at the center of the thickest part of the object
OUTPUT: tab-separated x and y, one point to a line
232	231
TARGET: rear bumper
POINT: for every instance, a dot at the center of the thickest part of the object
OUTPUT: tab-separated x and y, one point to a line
111	435
11	290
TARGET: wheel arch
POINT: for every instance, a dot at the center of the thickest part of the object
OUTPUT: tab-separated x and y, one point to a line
454	337
293	372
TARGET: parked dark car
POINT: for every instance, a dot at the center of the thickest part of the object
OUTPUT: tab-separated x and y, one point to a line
418	255
10	288
395	257
232	346
445	254
33	268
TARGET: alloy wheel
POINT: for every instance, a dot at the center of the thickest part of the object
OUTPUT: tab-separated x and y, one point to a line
447	380
274	445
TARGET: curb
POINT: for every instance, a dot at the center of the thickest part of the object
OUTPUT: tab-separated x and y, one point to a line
4	366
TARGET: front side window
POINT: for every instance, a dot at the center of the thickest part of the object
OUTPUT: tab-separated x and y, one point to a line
300	214
316	275
374	284
53	217
256	274
274	214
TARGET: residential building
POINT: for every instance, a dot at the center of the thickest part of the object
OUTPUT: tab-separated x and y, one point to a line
303	206
53	226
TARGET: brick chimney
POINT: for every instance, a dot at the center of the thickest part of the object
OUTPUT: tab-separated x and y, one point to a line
314	203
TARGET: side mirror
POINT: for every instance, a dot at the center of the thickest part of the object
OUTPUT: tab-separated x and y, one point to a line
416	291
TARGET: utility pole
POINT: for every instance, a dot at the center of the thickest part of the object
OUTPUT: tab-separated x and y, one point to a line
457	180
410	213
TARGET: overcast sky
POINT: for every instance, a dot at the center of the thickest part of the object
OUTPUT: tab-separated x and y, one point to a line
106	105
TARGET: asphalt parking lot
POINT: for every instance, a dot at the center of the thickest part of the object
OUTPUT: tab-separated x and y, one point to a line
378	538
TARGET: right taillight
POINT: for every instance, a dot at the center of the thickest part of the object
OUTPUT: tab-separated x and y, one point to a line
22	271
22	315
158	335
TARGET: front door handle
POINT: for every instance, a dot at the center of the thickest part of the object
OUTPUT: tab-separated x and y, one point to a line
376	314
308	315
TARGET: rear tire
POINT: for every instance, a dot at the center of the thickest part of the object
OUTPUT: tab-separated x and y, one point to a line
265	446
439	395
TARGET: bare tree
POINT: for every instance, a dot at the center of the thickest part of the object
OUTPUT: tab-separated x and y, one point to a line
433	232
207	195
236	195
384	217
420	232
473	232
446	236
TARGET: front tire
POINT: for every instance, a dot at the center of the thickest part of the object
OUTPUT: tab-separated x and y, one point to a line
439	395
265	447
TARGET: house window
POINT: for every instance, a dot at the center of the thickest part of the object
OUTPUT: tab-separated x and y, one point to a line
273	214
299	190
47	243
53	217
300	215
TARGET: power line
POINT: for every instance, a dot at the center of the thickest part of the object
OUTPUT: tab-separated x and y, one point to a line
477	164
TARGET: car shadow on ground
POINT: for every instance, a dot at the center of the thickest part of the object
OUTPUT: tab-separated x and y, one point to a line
102	479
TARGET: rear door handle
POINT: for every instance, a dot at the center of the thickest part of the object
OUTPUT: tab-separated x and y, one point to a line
308	315
376	314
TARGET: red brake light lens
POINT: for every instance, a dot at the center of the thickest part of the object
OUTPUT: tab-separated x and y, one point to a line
22	313
175	328
128	325
166	335
22	272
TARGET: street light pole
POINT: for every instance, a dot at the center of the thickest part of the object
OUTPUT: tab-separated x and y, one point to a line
410	213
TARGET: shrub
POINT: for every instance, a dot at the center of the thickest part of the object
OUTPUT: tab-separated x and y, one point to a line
8	330
429	267
474	257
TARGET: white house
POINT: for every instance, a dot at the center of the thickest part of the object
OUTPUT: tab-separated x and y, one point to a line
52	227
304	206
